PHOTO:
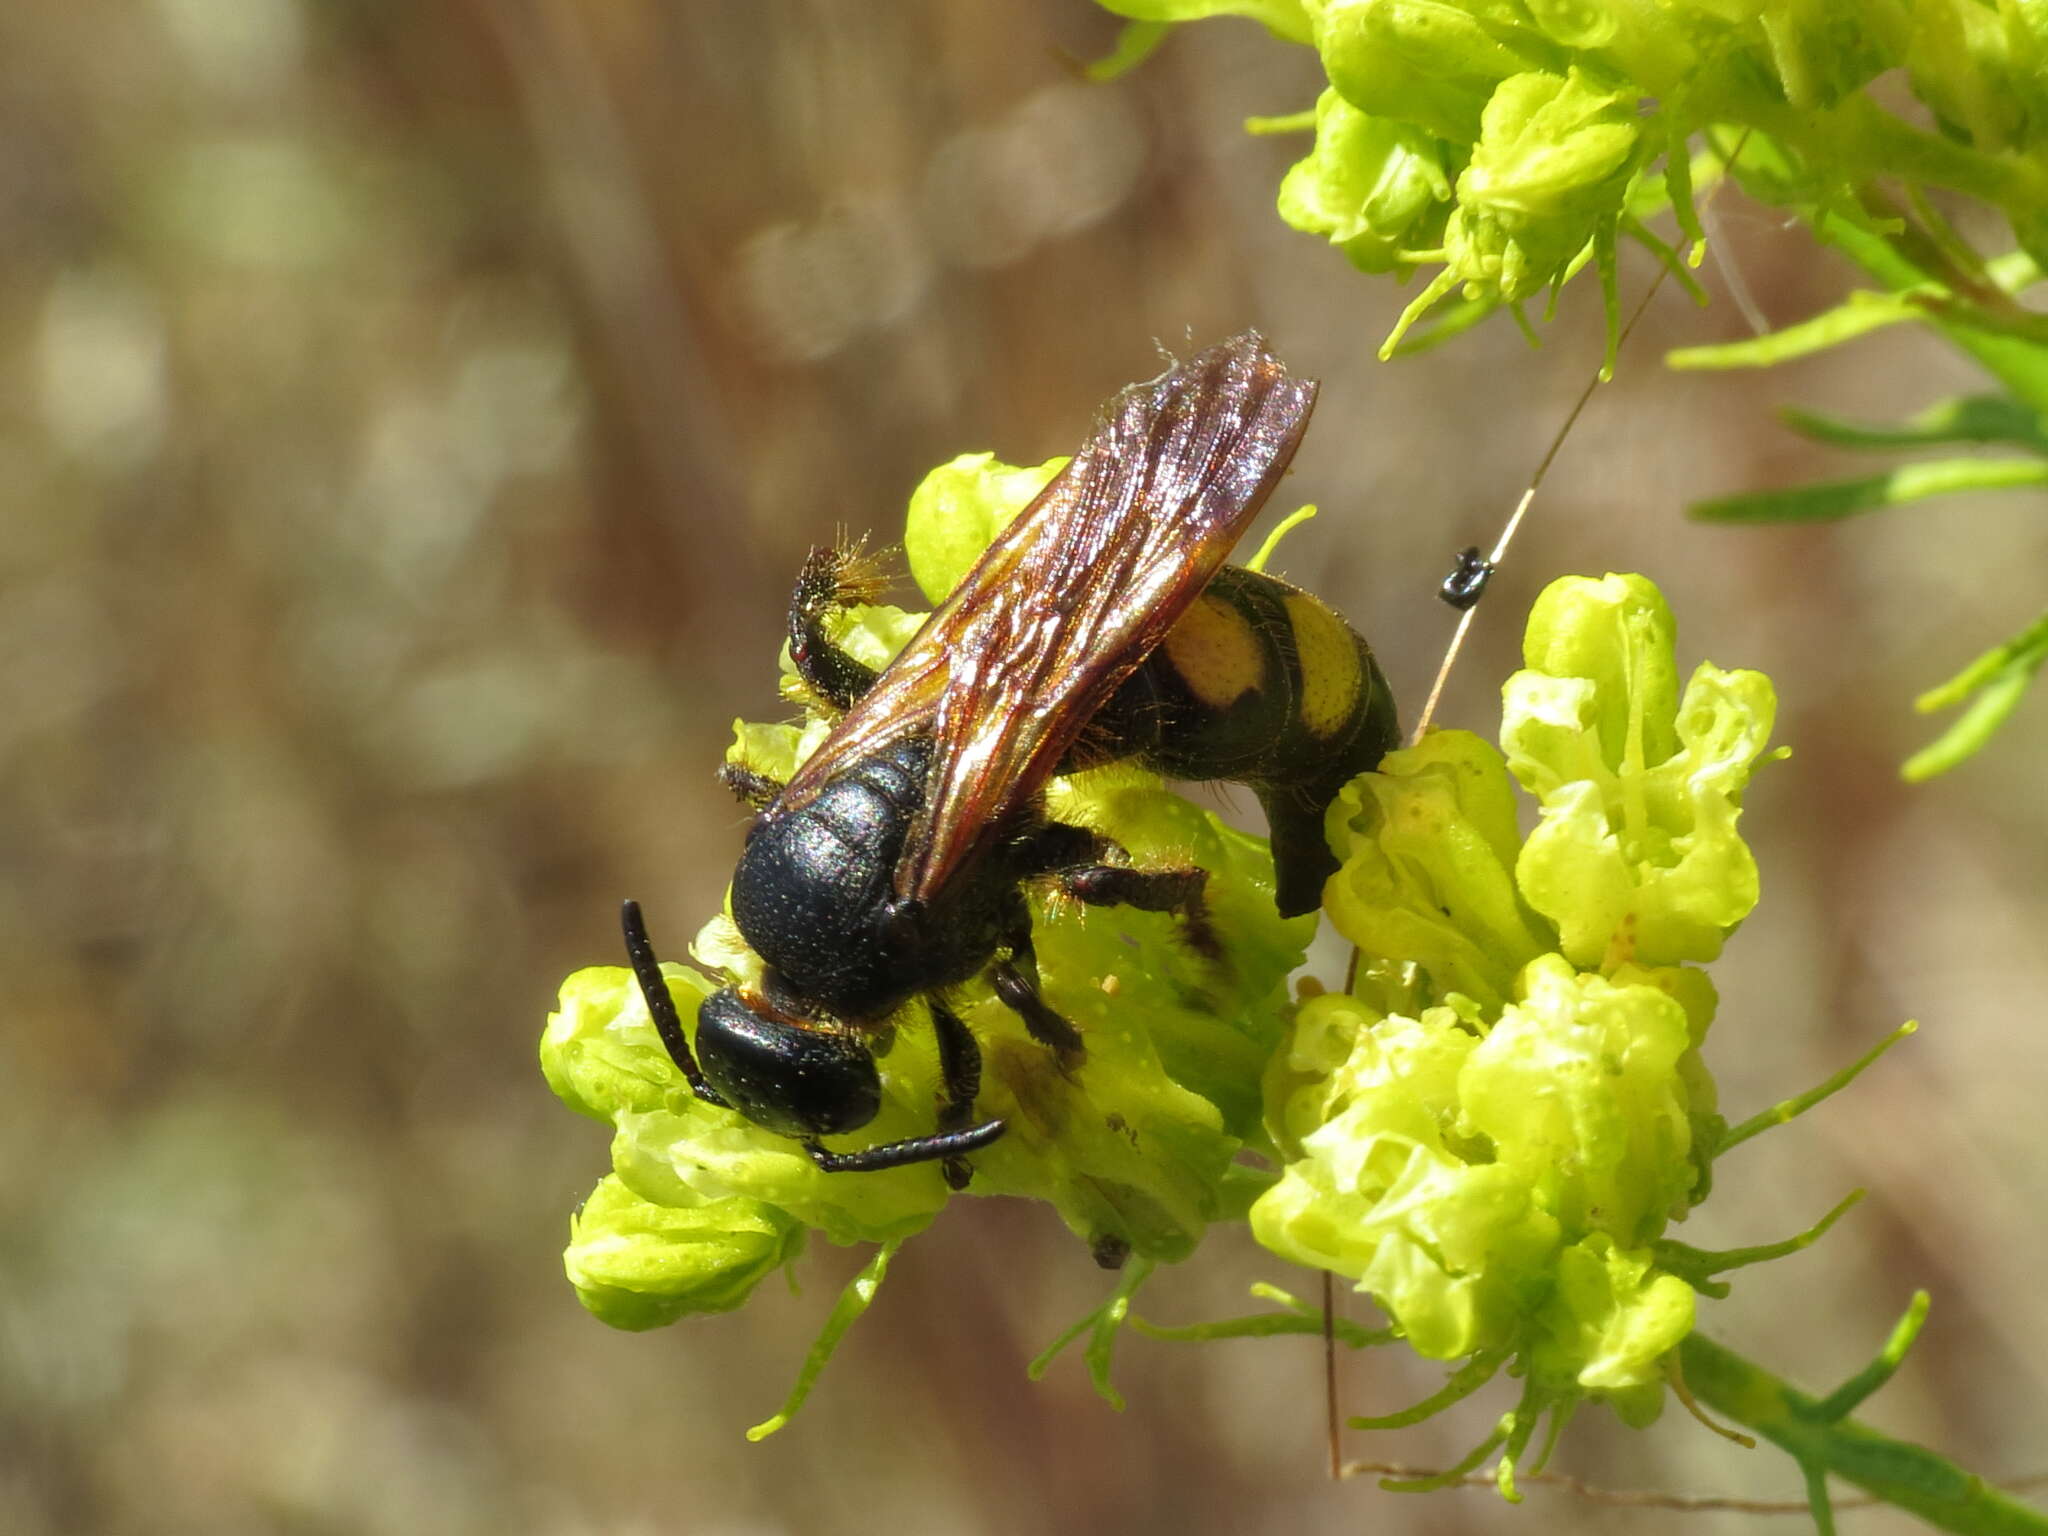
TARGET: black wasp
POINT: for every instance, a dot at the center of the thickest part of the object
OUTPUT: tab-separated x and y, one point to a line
1101	624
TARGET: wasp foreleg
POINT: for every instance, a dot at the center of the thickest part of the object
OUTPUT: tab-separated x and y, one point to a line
941	1148
960	1073
757	789
831	579
1016	982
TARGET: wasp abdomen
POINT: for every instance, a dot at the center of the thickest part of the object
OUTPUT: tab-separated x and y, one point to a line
1262	684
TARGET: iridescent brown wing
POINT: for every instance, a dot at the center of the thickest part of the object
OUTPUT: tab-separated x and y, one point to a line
1071	597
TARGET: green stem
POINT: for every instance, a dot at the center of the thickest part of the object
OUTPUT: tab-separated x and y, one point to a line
1868	142
1899	260
1895	1471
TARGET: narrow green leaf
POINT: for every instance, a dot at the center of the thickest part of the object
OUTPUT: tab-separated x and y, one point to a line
1790	1109
1101	1351
1462	1383
1291	520
853	1301
1849	1396
1560	1414
1973	728
1763	165
1999	679
1960	419
1527	1417
1101	1325
1864	312
1458	1469
1818	1504
1042	1362
1678	183
1692	1264
1418	306
1263	1325
1291	122
1451	320
1672	262
2028	648
1136	41
1285	19
1826	500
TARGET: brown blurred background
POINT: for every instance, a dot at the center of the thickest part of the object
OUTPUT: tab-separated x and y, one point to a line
411	416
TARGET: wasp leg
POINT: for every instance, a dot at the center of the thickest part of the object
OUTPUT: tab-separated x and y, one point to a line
1074	857
830	580
1016	982
960	1072
757	789
1056	845
1149	890
660	1005
899	1154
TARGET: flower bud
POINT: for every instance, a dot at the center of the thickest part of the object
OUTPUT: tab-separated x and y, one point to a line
1433	63
1552	165
636	1264
1373	187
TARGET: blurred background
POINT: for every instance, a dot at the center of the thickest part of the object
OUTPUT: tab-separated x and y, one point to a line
411	417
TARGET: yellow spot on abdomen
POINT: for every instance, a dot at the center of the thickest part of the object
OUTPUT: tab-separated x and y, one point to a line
1215	652
1330	673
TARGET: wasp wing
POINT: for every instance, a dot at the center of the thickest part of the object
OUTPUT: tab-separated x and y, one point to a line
1112	555
1071	597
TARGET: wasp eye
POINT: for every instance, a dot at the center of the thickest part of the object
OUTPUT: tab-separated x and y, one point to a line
787	1076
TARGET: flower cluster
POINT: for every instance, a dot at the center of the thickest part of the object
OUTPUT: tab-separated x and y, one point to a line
1135	1151
1512	141
1488	1132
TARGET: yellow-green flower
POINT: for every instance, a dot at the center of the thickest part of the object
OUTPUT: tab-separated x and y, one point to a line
1491	1136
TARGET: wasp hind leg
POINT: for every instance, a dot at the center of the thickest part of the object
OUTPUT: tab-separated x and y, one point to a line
1181	891
831	579
1076	859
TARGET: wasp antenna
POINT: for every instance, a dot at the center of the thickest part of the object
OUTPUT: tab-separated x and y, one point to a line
661	1007
900	1154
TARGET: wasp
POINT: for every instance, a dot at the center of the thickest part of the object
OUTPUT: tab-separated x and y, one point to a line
1101	624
